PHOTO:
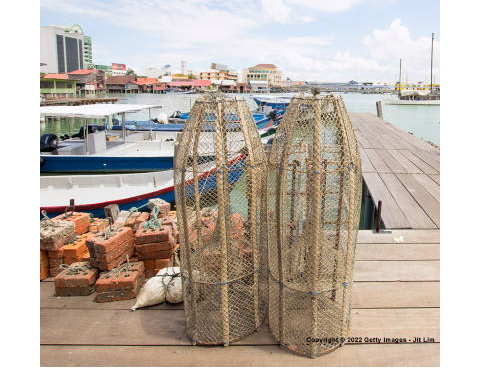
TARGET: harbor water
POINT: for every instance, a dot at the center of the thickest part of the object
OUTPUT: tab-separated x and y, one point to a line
421	120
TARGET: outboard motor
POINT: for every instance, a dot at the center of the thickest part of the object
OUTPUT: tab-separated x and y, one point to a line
176	114
272	115
48	142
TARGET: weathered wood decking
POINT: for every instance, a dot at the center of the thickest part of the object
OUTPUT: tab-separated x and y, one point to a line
400	170
395	295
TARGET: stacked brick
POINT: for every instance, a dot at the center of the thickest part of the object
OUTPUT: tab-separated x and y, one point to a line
78	280
155	245
122	284
44	265
98	224
54	234
162	207
109	249
76	250
81	221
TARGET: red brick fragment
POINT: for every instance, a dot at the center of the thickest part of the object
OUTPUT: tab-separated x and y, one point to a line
144	236
81	220
74	291
79	274
101	244
120	286
161	204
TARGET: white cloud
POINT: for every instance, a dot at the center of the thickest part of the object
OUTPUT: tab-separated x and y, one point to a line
277	10
327	6
388	46
231	31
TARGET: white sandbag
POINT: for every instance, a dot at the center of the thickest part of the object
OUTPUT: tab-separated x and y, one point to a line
174	290
173	283
155	290
152	293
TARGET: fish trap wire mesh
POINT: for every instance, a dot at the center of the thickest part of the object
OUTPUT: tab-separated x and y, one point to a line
314	187
220	171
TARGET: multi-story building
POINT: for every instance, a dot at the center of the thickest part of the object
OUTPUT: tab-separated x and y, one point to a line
214	74
87	50
64	49
263	76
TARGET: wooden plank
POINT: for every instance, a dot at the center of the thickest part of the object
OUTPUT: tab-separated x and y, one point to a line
167	327
367	166
377	162
396	295
415	215
48	299
392	215
392	271
430	159
432	187
426	168
365	295
393	164
366	355
435	178
408	166
428	203
397	252
407	236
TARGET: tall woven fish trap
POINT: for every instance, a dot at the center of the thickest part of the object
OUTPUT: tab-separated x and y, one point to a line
314	188
220	179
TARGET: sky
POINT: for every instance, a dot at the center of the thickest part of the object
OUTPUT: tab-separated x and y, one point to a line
324	40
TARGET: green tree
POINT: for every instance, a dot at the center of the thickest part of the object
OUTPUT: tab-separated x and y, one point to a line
191	76
130	72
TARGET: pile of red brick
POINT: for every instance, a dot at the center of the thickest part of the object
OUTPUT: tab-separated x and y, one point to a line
78	280
88	246
122	284
108	249
155	245
53	235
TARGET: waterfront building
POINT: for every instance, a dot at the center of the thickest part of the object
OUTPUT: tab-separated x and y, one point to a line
64	49
57	85
88	77
218	72
122	84
263	76
150	85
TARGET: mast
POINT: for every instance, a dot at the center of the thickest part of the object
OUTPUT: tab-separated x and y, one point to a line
431	66
400	79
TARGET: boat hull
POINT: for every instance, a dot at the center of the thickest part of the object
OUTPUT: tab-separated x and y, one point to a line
100	164
206	183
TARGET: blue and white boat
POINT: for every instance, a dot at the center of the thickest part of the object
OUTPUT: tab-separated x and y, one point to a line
92	193
267	104
132	146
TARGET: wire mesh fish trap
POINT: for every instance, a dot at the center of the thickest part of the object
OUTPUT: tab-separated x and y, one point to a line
314	187
220	171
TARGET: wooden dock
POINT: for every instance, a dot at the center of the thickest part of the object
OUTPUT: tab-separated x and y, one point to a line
400	170
395	295
79	101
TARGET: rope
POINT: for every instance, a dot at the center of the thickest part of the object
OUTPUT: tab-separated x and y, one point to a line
45	216
117	270
154	222
136	209
171	281
75	269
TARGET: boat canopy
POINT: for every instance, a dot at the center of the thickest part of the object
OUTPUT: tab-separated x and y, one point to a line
92	110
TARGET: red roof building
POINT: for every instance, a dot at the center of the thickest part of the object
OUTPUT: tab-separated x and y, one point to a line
56	76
